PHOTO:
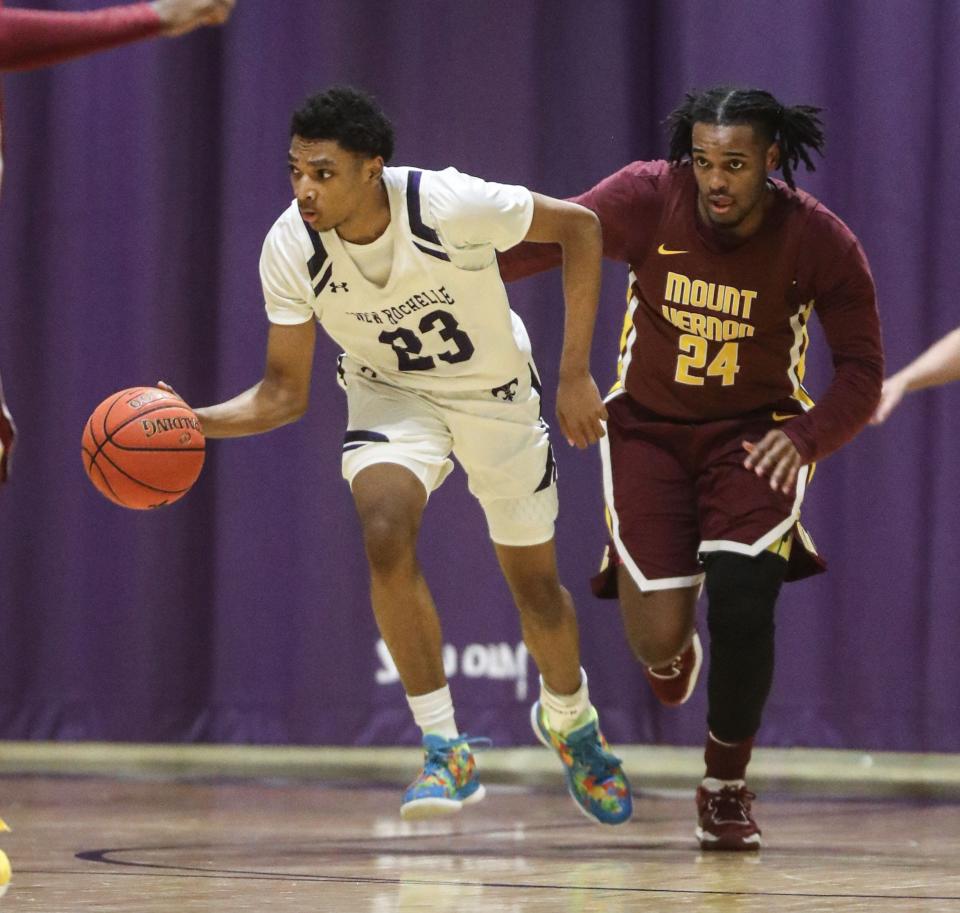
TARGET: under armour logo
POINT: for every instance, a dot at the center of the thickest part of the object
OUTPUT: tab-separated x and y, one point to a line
336	286
506	391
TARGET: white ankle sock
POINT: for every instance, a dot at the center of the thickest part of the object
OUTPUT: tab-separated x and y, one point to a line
565	712
433	713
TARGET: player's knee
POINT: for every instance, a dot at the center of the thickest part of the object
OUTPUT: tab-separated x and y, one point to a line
389	540
658	624
654	645
742	593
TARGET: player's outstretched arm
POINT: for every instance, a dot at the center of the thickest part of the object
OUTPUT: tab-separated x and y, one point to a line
576	230
38	38
280	398
940	364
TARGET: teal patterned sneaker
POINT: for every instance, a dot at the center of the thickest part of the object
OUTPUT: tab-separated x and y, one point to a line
595	779
448	781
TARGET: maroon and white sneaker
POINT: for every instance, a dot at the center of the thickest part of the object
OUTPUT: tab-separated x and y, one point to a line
725	822
674	683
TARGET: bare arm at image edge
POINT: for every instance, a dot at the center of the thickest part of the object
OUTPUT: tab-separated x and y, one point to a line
938	365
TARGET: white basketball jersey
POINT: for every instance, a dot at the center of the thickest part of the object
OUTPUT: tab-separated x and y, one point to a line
442	321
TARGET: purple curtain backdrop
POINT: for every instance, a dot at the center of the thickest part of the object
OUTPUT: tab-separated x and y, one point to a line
139	185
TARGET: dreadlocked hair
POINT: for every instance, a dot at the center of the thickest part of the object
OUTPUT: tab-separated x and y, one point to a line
797	130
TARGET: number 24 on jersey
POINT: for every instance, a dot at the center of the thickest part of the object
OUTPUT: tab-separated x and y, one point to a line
693	359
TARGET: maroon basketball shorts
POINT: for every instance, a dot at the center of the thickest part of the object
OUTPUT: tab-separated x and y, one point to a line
676	491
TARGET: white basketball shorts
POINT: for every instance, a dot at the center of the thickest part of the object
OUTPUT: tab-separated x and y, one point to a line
497	436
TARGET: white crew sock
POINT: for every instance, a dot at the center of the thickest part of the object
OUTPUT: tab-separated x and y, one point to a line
566	712
433	713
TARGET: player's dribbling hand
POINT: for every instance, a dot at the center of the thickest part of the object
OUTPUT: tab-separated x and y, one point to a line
163	385
182	16
580	410
774	455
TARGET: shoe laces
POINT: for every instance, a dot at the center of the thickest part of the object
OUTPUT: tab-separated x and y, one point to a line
438	751
588	752
733	800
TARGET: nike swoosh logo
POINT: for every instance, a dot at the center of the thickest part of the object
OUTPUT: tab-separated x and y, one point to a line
667	252
782	416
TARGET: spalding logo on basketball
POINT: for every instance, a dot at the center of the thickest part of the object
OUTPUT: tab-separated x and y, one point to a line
143	448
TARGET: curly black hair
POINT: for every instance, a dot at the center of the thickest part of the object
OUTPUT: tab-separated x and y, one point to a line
350	117
795	129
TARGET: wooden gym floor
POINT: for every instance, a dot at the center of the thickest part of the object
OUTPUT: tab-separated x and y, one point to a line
123	829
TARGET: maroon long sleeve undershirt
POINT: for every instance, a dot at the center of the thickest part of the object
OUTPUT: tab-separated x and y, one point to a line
35	38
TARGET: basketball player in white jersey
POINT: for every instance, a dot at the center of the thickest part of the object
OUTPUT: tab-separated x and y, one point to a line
399	267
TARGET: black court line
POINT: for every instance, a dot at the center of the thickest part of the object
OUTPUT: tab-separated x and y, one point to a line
364	844
365	847
186	871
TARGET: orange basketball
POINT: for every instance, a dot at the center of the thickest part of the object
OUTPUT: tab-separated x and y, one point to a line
143	448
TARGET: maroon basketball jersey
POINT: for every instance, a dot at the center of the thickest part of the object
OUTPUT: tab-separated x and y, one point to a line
715	330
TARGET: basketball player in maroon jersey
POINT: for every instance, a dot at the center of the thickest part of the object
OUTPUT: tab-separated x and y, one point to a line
711	436
37	38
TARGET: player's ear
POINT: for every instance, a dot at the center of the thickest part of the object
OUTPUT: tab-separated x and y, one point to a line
773	157
373	169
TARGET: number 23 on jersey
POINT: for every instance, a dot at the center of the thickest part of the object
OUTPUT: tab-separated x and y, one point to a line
408	345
